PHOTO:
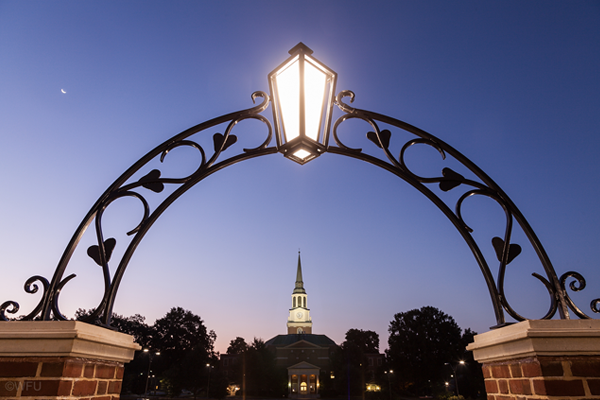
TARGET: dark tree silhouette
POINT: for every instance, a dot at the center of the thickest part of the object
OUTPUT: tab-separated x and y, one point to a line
421	342
186	347
237	346
263	378
349	362
470	375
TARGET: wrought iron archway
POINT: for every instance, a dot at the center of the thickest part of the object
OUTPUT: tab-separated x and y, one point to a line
152	182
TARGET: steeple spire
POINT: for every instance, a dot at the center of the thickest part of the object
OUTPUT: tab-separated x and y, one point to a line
299	283
299	321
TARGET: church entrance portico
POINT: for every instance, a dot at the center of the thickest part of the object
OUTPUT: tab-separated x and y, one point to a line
303	380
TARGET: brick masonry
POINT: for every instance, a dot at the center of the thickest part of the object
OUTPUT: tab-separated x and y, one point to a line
543	377
59	377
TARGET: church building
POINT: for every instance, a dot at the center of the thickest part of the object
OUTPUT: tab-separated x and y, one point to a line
302	352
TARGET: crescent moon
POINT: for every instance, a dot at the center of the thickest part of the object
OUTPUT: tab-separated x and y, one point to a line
63	91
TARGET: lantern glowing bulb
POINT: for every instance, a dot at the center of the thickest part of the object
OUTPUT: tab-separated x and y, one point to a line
289	86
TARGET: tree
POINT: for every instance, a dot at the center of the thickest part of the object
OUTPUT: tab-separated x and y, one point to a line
237	346
185	346
181	330
421	342
363	342
263	377
470	375
354	352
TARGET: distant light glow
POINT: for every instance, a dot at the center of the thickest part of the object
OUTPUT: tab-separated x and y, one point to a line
371	387
63	91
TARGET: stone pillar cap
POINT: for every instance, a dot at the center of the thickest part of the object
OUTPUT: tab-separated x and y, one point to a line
564	337
64	339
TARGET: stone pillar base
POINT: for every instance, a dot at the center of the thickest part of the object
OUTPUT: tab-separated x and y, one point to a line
547	359
49	359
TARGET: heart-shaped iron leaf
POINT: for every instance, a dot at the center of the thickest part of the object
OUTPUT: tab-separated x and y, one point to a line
149	181
94	251
385	138
513	250
218	141
453	179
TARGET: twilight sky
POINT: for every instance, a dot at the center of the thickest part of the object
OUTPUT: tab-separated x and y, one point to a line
513	86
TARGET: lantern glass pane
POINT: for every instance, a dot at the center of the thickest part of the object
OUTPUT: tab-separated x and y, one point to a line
288	89
302	154
314	93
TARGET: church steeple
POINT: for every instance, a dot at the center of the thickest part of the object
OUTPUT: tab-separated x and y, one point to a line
299	320
299	283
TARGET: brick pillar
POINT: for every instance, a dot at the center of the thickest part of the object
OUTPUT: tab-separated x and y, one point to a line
541	359
66	359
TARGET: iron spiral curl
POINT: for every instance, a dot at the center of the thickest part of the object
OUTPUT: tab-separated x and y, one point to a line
30	286
577	285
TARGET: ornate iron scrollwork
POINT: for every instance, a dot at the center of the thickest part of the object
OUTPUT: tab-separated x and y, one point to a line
153	182
449	179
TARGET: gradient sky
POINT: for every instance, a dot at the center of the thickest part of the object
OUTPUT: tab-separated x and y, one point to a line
514	86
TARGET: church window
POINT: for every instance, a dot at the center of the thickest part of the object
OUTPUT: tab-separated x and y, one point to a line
294	302
379	362
370	361
304	302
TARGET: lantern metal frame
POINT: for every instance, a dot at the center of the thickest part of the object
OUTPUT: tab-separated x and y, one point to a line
140	182
290	147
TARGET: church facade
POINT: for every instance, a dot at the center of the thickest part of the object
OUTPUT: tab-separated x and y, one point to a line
307	357
303	353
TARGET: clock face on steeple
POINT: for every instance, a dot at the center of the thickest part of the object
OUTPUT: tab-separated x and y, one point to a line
299	314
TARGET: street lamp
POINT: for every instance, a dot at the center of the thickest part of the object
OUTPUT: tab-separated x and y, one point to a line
302	90
150	356
389	373
461	362
208	384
